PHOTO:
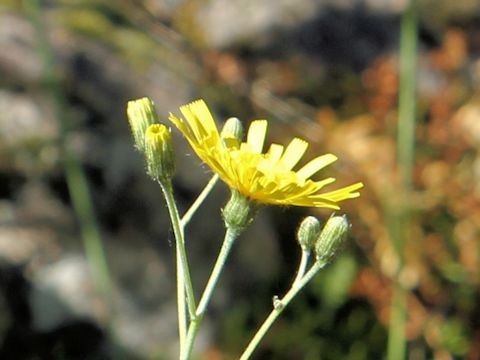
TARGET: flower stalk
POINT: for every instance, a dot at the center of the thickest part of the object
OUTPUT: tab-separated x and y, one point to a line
237	215
185	294
199	200
279	307
326	245
196	320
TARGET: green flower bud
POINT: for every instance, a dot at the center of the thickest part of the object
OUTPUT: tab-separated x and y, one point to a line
239	212
159	152
232	132
331	238
141	114
308	232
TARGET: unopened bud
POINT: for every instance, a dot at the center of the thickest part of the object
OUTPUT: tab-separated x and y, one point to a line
239	212
141	114
308	232
232	132
331	238
159	152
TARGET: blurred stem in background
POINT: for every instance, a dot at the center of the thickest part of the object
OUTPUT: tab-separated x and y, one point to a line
75	176
400	224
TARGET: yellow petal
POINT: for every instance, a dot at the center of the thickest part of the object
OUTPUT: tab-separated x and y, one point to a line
311	187
293	153
311	202
200	119
256	135
316	165
348	192
320	184
274	153
182	126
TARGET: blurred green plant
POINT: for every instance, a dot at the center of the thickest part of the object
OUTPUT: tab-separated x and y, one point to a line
75	176
400	225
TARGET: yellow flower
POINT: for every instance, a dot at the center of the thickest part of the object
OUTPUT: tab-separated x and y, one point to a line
267	177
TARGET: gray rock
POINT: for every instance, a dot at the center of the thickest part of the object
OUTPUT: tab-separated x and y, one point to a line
63	291
226	23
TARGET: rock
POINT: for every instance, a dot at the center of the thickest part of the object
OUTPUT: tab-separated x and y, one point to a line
225	23
18	58
63	291
251	23
27	133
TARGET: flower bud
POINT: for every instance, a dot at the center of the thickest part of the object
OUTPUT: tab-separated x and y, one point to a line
159	152
141	114
239	212
308	232
232	132
331	238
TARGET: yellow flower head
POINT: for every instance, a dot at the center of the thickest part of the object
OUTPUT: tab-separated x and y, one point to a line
267	177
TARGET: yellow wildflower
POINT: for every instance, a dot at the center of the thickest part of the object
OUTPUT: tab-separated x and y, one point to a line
267	177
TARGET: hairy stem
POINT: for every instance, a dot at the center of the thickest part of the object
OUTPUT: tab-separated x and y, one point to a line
279	307
228	242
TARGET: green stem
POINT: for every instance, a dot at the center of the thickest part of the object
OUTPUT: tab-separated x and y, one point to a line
75	176
396	332
302	267
406	105
228	242
184	281
406	155
196	204
279	306
181	304
81	200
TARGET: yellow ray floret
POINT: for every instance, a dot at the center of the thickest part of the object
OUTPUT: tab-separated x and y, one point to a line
265	177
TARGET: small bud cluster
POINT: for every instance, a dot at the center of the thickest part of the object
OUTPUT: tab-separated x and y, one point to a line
308	233
327	242
332	238
151	138
232	132
238	213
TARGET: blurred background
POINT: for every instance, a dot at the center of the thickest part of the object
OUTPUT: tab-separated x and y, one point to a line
326	71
